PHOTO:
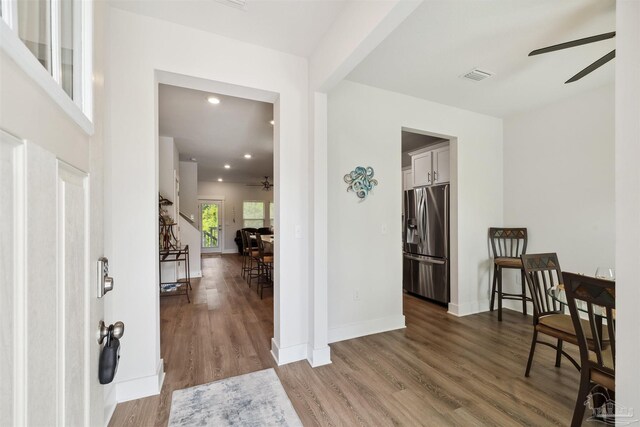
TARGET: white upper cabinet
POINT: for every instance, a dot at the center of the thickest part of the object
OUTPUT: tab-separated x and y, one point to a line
407	179
441	168
421	166
429	168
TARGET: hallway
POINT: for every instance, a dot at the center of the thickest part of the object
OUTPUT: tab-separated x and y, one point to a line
440	370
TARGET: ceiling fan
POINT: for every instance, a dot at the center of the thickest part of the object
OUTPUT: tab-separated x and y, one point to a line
266	185
594	66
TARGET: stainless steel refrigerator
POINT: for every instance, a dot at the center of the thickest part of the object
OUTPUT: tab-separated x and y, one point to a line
425	238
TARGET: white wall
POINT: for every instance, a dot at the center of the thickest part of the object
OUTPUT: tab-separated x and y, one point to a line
189	189
627	203
233	195
190	235
144	51
168	170
559	181
365	127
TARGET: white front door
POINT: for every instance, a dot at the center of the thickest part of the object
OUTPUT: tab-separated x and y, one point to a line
211	229
48	306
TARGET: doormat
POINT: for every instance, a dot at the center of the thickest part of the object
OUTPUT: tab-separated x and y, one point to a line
255	399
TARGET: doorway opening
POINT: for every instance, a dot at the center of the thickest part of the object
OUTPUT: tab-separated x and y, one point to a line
219	143
429	212
211	229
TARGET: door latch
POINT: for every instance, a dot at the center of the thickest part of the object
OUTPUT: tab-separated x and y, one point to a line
105	283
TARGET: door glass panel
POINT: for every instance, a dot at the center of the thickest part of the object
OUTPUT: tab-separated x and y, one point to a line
34	29
66	46
210	225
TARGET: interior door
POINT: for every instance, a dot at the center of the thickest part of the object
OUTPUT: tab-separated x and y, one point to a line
48	305
211	225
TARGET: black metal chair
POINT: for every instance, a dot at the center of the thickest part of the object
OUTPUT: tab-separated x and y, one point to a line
597	297
507	244
542	272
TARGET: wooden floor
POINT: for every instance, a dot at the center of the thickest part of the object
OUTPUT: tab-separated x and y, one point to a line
441	370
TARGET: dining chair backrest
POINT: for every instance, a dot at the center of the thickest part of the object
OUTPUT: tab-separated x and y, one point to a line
245	244
508	242
260	244
597	297
542	272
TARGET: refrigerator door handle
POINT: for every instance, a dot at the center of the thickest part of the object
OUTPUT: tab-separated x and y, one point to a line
425	259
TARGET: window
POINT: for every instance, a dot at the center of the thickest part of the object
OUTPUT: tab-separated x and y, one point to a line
253	214
272	214
57	33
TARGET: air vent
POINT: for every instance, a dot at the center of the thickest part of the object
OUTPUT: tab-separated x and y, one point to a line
236	4
477	75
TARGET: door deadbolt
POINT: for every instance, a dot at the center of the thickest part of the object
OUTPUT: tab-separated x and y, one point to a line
105	283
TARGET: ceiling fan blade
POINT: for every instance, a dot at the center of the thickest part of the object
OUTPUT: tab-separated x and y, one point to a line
599	63
574	43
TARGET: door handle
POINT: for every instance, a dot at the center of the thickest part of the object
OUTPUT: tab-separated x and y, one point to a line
117	330
425	260
105	283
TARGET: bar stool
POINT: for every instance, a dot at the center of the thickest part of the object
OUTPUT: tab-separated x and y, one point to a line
507	244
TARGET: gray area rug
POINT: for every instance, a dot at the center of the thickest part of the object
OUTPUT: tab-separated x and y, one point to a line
255	399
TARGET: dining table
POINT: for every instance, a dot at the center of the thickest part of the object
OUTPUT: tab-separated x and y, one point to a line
558	294
267	239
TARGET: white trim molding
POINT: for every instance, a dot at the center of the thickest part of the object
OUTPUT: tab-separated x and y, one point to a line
467	308
367	327
318	356
138	388
290	354
21	55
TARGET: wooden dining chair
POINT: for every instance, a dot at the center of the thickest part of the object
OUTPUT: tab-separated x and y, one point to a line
266	266
507	244
596	340
252	267
245	252
542	272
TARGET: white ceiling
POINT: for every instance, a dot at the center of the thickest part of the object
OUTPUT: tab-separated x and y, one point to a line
292	26
221	134
444	39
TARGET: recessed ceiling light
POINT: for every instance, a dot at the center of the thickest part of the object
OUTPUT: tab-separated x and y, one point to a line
247	156
227	166
272	122
219	179
213	100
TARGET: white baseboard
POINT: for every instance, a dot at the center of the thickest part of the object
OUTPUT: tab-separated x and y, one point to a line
367	327
141	387
195	274
110	402
285	355
468	308
318	356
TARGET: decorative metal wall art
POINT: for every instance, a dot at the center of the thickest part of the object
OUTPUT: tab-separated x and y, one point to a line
361	181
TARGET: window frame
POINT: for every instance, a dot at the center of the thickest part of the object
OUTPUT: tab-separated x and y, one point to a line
264	210
79	110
